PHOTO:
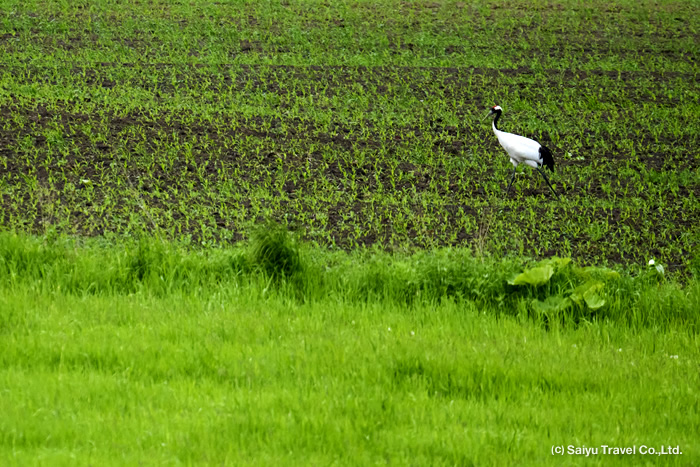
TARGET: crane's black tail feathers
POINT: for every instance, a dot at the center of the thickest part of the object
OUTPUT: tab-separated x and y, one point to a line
547	159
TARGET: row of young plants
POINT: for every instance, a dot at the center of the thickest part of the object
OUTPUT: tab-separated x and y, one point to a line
242	118
625	34
418	175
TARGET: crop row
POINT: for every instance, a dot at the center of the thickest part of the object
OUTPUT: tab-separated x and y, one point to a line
112	124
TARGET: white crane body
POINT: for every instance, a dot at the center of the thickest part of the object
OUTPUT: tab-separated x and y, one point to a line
522	150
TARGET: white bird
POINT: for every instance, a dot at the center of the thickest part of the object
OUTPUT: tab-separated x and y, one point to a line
522	150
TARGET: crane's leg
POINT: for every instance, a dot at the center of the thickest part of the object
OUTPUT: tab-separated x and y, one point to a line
512	177
549	184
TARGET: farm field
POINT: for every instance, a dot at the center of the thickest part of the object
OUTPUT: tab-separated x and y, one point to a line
356	123
277	233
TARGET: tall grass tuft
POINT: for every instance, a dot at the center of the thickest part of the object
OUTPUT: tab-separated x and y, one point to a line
22	256
90	268
275	252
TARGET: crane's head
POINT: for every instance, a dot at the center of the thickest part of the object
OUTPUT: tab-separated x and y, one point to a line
496	109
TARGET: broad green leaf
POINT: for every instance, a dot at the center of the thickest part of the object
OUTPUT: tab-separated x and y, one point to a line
588	293
535	276
593	300
554	303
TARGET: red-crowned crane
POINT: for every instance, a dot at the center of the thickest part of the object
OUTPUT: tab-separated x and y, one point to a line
522	150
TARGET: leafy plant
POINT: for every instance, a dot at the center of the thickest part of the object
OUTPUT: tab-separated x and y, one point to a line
584	298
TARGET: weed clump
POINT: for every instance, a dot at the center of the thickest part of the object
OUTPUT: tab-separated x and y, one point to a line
147	260
24	256
275	252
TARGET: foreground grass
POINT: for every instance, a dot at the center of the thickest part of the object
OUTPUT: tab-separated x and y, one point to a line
242	369
229	377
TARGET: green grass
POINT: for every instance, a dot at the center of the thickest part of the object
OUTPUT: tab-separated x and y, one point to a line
215	363
155	155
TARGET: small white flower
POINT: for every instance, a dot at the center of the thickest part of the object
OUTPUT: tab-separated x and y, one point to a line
651	262
674	356
413	333
619	350
389	329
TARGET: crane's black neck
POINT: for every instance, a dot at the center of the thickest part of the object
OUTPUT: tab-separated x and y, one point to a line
495	120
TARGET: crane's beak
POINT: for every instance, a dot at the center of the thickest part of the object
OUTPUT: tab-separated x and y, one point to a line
488	115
